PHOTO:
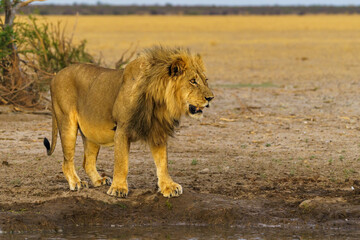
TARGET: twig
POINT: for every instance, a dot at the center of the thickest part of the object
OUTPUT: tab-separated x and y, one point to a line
124	60
38	112
74	28
16	7
18	90
3	100
244	106
24	4
41	42
40	70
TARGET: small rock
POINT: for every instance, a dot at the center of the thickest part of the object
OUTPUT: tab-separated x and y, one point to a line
205	170
319	202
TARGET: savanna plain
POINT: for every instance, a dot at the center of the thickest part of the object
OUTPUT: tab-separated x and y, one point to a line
279	147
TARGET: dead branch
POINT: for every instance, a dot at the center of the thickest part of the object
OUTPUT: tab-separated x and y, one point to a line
25	3
124	60
36	68
10	10
74	28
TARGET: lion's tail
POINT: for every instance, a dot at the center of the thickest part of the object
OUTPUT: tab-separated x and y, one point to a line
50	149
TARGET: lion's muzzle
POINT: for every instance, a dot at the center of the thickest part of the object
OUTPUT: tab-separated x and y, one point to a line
195	110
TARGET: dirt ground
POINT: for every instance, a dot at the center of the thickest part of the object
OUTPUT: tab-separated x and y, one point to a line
280	146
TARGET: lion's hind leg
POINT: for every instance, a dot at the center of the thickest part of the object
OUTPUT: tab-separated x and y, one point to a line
91	151
68	132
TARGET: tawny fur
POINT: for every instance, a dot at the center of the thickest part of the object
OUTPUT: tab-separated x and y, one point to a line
143	102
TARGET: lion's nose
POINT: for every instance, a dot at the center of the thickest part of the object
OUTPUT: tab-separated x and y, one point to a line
209	98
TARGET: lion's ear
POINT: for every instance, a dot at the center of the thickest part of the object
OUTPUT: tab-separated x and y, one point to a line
199	60
177	68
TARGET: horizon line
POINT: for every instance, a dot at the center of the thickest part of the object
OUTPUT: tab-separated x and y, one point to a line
196	5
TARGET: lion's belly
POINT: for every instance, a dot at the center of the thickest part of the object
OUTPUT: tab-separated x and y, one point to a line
100	133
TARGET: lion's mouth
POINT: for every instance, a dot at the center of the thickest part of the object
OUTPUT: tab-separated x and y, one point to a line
195	110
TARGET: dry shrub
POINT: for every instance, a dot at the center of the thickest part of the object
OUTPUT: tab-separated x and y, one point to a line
30	55
17	88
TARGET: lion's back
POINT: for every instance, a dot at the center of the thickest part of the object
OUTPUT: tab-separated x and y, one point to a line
84	82
87	93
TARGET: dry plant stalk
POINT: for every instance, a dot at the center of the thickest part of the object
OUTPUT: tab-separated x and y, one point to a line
17	88
125	60
41	51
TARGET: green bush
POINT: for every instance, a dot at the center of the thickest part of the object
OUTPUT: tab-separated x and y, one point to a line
6	39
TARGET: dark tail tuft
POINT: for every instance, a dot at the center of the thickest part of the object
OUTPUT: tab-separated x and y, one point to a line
47	145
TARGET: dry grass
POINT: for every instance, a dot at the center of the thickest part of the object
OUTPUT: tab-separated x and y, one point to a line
247	49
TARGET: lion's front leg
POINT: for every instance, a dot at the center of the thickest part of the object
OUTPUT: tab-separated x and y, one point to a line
167	186
119	186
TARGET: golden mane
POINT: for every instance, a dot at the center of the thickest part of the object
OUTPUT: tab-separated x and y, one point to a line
159	104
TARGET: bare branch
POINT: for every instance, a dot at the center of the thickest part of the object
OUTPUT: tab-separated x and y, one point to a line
124	60
10	10
25	3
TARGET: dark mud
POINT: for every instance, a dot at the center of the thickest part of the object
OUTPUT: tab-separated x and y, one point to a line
149	208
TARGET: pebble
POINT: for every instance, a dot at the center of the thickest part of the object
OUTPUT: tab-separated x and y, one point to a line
205	170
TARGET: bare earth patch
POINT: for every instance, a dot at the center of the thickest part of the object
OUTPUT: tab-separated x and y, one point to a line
246	163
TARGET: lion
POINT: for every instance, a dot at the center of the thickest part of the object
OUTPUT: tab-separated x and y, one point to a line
145	101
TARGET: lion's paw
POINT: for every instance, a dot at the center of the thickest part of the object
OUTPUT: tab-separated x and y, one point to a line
118	191
78	185
103	181
170	189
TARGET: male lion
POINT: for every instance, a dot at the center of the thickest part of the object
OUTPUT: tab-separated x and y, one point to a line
142	102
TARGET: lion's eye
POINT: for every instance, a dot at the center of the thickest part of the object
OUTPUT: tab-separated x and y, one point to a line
193	81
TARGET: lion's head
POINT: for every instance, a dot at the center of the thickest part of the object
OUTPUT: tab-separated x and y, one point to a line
187	75
173	83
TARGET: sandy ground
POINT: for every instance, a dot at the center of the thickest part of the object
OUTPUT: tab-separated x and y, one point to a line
240	165
279	145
